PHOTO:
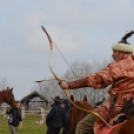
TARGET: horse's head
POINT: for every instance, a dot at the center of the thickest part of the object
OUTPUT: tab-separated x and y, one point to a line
9	97
77	112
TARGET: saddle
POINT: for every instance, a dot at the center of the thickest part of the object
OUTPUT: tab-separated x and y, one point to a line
127	112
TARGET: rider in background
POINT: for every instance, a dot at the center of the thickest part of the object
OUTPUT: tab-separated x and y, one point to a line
65	104
119	74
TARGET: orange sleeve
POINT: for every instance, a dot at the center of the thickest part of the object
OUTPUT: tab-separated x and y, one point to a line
100	79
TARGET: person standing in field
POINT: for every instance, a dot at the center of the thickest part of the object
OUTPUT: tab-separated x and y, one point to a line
66	107
15	118
56	117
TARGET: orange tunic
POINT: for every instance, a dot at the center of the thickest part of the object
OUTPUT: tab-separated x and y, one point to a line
119	74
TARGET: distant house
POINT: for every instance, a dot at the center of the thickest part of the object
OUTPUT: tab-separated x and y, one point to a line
34	100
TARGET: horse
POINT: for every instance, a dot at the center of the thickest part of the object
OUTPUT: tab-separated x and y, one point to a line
126	127
6	95
75	114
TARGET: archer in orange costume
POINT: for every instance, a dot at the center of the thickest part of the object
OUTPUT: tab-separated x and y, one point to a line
119	74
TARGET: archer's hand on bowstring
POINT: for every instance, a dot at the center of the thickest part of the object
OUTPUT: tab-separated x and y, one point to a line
64	84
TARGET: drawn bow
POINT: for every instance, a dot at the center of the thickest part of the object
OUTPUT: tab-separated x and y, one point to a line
66	91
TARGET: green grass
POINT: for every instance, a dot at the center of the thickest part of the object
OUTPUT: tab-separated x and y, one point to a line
29	126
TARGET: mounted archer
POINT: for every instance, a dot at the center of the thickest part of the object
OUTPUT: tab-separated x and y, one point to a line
119	74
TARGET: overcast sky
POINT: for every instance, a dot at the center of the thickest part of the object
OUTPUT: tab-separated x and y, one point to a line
83	30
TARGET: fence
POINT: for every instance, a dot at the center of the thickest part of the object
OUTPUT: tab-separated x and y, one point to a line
42	112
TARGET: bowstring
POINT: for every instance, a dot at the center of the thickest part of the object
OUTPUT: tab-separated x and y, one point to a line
67	65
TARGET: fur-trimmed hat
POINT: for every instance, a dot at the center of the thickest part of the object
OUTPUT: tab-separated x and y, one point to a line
123	45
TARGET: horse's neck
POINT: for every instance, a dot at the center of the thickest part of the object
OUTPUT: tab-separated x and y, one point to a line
2	96
75	118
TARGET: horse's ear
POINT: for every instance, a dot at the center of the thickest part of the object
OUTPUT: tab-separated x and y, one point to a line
11	89
85	98
7	88
72	98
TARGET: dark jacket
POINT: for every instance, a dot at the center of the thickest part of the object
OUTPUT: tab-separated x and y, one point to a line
15	117
56	117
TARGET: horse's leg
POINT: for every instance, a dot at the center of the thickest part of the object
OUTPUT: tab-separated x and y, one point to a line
85	126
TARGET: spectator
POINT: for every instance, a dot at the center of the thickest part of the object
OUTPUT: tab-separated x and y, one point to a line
66	107
56	117
65	104
15	117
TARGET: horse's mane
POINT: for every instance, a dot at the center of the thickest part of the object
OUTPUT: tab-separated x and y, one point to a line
3	91
76	114
8	89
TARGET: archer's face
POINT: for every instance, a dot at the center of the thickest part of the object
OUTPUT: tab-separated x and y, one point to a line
117	55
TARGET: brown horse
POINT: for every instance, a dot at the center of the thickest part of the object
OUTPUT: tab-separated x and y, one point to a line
76	115
7	96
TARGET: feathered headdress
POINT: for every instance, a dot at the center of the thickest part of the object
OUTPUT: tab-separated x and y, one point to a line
123	45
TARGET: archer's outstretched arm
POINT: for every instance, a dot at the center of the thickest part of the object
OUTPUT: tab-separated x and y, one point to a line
98	80
74	84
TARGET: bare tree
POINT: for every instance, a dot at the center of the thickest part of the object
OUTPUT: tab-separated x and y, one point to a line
50	89
78	69
81	70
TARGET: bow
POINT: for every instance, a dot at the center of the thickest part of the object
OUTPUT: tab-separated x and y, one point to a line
66	91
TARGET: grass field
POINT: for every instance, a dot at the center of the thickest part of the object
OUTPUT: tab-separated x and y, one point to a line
29	126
